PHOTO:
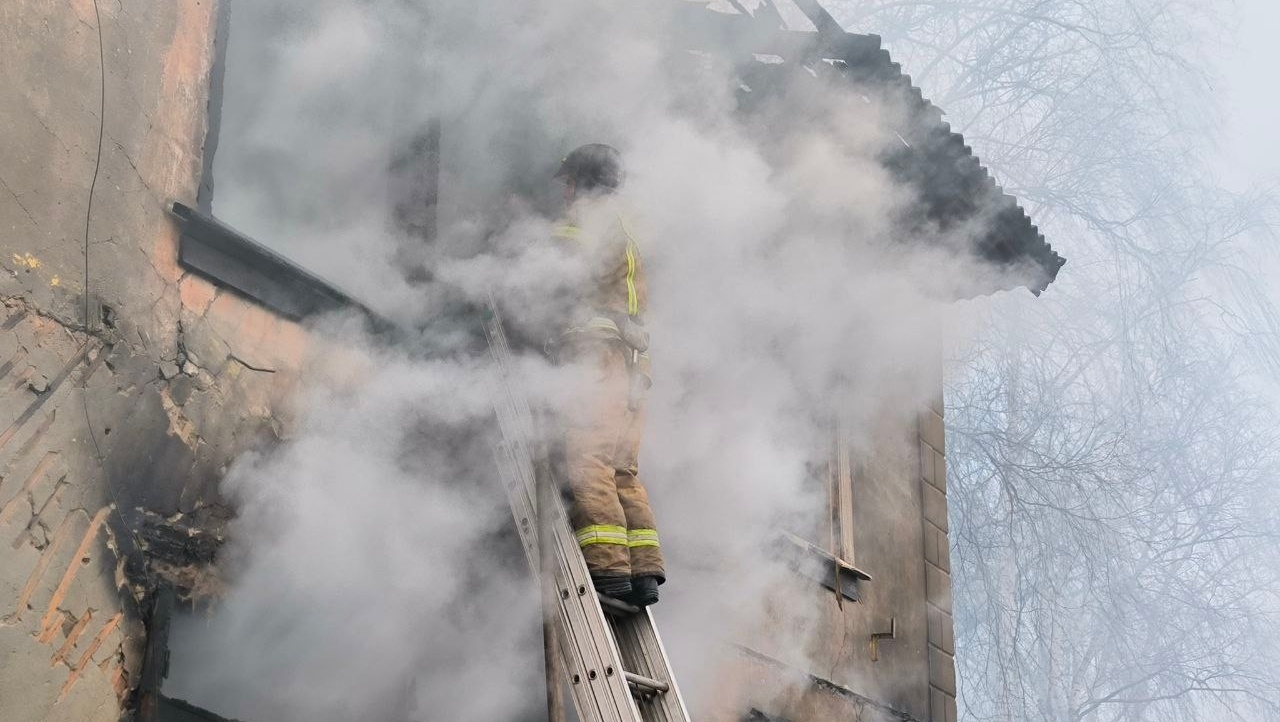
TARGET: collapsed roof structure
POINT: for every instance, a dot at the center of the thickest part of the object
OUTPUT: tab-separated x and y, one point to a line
954	190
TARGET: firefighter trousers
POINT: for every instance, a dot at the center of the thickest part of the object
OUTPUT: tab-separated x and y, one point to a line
604	423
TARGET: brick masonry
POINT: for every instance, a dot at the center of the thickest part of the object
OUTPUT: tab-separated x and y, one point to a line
937	555
64	620
132	411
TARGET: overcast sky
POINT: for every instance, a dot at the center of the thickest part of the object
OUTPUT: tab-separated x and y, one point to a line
1251	143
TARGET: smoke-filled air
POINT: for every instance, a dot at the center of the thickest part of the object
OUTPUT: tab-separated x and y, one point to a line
373	572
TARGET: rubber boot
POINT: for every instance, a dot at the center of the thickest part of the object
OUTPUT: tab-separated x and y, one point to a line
644	590
618	587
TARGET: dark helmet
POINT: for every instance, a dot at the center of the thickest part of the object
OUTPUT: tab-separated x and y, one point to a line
594	167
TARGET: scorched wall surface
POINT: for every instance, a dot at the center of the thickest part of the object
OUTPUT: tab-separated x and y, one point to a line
122	419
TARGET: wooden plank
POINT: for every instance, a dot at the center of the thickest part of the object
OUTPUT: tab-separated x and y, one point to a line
844	496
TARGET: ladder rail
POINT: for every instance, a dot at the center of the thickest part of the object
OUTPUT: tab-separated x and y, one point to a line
591	657
585	647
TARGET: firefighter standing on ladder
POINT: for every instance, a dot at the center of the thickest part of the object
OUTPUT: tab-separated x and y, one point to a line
604	338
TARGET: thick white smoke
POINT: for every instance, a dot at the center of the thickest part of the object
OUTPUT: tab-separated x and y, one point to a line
372	575
780	292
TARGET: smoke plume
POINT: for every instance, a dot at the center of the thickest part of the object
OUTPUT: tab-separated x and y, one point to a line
373	571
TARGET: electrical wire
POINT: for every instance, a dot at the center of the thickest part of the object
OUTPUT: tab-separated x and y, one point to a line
88	325
97	163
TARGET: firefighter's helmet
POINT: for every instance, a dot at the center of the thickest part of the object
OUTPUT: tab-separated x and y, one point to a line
594	167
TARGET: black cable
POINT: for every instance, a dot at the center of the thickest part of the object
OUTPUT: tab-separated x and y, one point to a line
88	327
97	163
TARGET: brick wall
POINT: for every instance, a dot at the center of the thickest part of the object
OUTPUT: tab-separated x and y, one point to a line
63	620
937	555
129	414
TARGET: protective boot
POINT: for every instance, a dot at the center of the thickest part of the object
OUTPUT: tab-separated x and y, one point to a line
644	590
618	587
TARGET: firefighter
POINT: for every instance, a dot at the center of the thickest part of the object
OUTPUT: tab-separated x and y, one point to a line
604	342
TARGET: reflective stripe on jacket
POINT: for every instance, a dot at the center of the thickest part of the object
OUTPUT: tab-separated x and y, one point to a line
615	282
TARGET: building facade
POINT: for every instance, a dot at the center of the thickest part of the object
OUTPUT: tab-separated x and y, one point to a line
128	383
131	378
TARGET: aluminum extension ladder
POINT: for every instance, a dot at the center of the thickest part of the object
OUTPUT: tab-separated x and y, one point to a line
616	666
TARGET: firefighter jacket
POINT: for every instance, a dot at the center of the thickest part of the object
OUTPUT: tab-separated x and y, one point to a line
608	290
603	337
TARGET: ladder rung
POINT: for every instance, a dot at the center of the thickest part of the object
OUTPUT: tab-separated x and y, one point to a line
616	607
646	684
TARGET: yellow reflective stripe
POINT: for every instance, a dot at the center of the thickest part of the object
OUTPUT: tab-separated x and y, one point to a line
602	322
601	534
596	323
633	250
642	538
614	542
633	301
567	232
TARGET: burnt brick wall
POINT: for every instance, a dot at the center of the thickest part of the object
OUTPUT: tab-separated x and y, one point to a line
125	391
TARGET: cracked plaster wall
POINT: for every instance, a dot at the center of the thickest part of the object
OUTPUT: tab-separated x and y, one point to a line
111	422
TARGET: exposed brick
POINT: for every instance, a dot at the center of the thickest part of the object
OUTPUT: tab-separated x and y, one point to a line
20	501
110	643
86	658
927	462
942	670
60	659
932	429
935	506
941	630
940	471
931	544
196	293
54	550
83	554
937	705
936	548
938	587
933	467
73	635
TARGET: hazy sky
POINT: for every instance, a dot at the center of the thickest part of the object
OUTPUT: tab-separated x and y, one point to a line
1251	143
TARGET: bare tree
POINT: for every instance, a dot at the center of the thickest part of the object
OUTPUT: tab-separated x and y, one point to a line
1112	445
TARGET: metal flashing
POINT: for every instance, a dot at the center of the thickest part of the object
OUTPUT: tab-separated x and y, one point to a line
222	254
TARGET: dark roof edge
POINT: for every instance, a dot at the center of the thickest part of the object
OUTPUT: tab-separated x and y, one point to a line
1007	245
222	254
1014	239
